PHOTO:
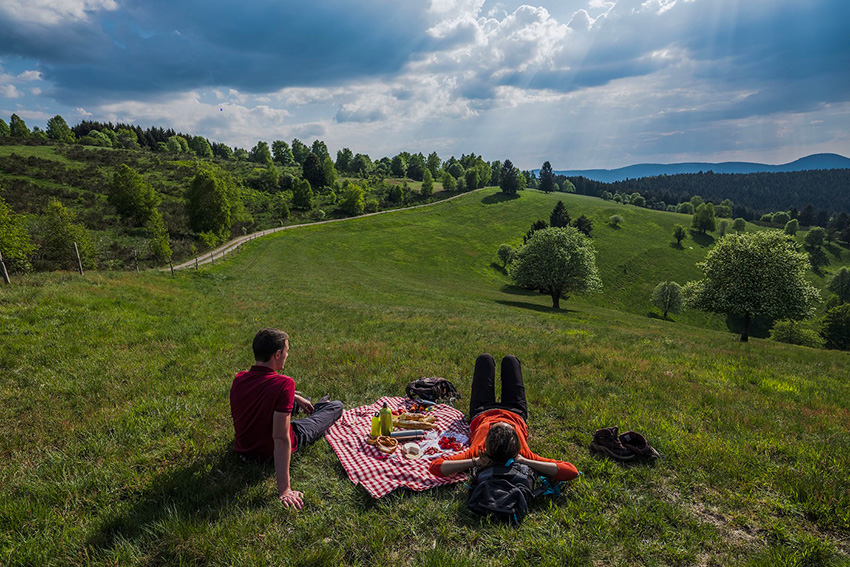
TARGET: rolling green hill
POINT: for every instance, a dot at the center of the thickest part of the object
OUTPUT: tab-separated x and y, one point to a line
116	430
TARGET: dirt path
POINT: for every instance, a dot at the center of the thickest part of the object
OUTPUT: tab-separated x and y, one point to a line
233	245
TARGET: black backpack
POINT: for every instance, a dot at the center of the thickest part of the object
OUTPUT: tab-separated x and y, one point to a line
432	389
502	492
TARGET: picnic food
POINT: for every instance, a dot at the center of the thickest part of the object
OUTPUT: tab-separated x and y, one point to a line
386	444
411	451
450	443
409	420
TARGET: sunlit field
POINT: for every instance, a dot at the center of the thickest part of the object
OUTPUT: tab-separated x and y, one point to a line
116	430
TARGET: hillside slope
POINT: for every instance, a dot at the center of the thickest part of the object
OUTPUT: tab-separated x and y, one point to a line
117	434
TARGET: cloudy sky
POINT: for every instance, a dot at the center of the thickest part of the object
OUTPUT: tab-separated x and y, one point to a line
581	83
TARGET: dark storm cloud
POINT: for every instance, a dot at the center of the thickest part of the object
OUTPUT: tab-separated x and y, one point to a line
151	47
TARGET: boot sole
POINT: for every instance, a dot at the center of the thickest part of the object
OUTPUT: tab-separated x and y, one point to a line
602	449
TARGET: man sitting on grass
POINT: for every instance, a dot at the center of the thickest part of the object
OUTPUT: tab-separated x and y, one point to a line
262	403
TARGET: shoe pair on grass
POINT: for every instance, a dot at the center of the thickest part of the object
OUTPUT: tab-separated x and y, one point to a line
626	447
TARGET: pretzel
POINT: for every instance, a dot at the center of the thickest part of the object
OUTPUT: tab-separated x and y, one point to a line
386	444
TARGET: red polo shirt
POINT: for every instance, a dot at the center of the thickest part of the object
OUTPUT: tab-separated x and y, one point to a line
254	397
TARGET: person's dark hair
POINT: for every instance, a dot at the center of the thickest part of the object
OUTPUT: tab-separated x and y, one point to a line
501	444
267	342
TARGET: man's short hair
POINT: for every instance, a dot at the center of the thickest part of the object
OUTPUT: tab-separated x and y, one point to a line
267	342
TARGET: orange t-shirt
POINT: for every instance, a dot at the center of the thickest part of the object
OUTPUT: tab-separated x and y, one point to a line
478	433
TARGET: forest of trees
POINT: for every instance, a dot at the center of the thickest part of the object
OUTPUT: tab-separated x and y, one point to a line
183	193
823	190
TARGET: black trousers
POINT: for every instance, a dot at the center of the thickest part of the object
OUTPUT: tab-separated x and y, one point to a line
311	428
483	396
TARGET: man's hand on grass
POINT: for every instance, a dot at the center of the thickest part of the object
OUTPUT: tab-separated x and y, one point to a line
305	404
292	499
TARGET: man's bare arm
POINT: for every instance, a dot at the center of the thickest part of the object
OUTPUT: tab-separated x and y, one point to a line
282	458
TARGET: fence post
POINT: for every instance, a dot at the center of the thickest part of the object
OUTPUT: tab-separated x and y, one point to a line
136	259
79	262
212	257
171	266
3	269
196	263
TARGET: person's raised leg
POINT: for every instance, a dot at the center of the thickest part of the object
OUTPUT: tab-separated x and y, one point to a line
483	385
513	388
310	429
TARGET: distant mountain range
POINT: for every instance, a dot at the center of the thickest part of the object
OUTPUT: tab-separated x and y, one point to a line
812	162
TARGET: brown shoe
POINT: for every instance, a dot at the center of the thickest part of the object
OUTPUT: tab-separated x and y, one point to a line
637	444
607	441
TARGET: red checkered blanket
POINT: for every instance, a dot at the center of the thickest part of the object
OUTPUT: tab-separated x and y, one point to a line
378	473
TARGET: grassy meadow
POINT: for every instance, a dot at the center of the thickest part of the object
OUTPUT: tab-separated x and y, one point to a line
116	432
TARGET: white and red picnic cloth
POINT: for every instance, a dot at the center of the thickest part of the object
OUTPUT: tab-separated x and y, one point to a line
378	473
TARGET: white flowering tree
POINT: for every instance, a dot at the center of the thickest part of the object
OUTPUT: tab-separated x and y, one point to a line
556	261
754	275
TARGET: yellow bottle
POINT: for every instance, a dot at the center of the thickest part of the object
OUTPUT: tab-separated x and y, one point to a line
386	420
376	424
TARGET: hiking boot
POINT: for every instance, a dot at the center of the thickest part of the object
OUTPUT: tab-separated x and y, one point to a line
637	444
606	441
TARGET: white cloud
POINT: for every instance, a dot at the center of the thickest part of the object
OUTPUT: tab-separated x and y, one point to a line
52	12
9	91
29	76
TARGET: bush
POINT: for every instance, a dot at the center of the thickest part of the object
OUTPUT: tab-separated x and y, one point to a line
667	296
506	253
795	333
835	327
791	227
353	202
615	220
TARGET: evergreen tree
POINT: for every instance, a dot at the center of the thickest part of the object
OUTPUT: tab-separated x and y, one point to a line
547	180
5	131
427	184
313	171
535	226
584	225
559	217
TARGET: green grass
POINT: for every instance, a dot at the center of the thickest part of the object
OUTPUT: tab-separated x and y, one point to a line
116	430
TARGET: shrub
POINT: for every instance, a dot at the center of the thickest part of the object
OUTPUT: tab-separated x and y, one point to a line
506	253
353	202
835	327
795	333
840	285
815	236
791	227
615	220
667	296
